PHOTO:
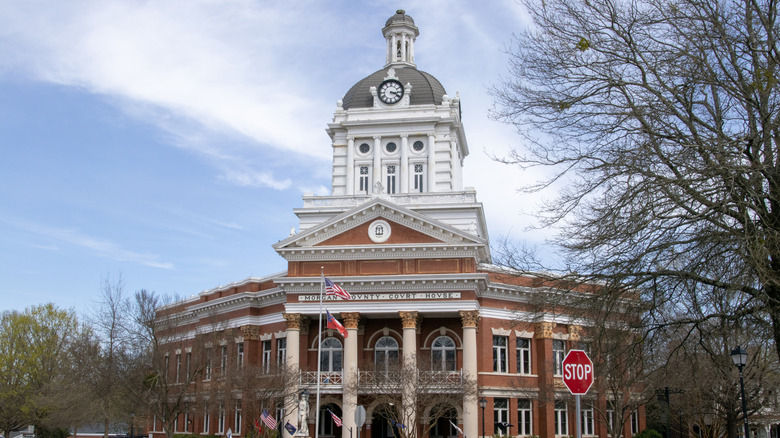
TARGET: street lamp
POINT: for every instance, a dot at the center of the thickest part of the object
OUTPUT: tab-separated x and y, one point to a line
739	357
132	418
483	405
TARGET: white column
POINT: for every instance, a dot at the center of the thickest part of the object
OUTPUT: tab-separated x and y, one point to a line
457	174
294	321
403	47
349	400
431	163
404	173
350	186
377	162
470	413
411	47
392	48
409	324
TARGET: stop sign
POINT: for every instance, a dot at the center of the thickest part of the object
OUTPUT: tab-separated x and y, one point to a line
577	372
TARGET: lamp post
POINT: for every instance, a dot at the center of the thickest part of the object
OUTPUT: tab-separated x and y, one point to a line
483	405
739	357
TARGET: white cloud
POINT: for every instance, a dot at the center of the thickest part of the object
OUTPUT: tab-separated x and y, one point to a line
100	247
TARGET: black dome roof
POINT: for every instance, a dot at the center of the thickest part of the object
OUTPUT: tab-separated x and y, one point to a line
426	89
399	17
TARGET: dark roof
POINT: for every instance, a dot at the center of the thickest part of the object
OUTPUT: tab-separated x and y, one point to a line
400	16
426	89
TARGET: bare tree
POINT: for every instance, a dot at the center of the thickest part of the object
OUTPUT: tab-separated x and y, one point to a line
660	120
402	393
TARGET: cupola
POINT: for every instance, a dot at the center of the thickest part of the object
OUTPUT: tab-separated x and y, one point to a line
400	33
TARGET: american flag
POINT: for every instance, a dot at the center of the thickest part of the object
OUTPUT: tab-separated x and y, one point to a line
332	288
268	419
336	419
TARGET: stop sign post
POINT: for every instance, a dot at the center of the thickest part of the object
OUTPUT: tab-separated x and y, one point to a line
578	377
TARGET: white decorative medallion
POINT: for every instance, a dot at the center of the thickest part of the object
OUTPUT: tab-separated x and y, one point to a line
379	231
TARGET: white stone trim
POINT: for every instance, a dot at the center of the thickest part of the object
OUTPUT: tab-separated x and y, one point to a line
500	331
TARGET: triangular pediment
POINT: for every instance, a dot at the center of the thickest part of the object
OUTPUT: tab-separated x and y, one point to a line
407	229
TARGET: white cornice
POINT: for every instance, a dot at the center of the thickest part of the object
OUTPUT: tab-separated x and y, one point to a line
366	252
394	283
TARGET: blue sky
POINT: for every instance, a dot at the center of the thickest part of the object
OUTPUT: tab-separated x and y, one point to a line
169	141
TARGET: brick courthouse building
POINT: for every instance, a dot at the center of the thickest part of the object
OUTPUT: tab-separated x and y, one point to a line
401	234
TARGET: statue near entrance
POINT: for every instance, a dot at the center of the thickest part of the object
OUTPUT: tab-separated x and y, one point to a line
303	414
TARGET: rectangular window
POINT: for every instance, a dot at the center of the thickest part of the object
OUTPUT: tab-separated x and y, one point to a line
559	352
418	178
240	355
501	416
176	424
281	352
561	417
523	356
189	366
206	420
391	179
610	417
634	422
167	367
221	419
237	418
363	179
223	361
207	369
186	421
500	362
178	367
586	420
524	417
266	356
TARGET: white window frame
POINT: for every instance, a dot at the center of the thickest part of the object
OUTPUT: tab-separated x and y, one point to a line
363	183
386	353
329	353
266	353
418	177
443	355
524	363
500	357
587	424
281	352
634	422
240	355
559	353
525	417
178	367
206	420
561	418
391	178
221	419
500	414
237	420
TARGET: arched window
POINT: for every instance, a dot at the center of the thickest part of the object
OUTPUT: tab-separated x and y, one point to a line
327	422
385	353
443	354
332	355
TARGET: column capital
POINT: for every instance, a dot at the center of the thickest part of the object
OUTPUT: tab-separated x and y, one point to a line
409	319
469	318
251	332
575	333
351	319
544	329
404	135
294	320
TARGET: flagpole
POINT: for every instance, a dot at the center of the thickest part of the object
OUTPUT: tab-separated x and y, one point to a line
319	358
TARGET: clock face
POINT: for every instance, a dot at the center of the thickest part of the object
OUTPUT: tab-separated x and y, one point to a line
390	91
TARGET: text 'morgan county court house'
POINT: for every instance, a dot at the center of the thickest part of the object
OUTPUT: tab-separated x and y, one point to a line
439	342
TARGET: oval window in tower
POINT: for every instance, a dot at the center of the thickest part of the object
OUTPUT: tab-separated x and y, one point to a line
391	147
418	146
364	148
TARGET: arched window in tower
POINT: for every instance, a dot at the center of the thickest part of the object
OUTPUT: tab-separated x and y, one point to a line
443	354
391	179
398	51
386	354
363	179
332	354
419	177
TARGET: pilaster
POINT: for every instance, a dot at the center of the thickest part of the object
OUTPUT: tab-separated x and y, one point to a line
470	320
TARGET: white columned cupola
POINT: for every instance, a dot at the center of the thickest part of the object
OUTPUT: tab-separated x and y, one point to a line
400	33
